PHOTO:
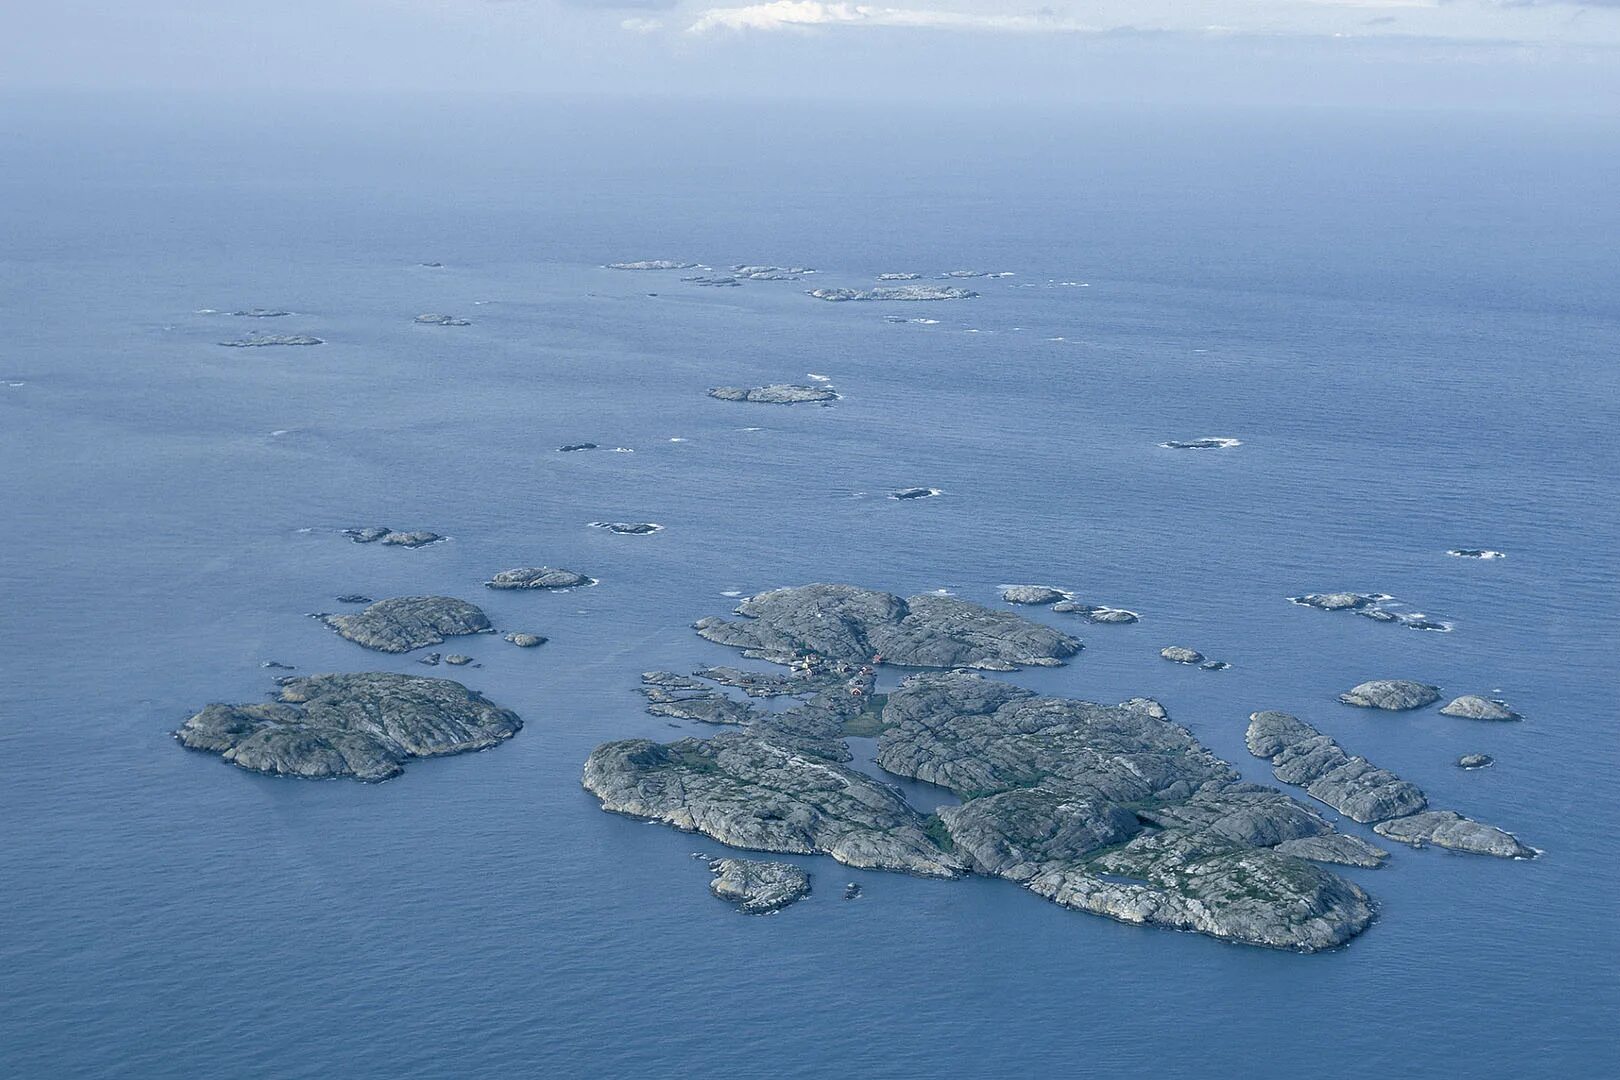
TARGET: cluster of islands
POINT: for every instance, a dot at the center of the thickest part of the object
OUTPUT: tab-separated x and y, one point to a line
1111	809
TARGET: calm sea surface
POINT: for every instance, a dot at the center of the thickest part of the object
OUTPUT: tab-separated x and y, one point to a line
1412	324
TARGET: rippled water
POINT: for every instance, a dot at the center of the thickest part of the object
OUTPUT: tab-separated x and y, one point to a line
1410	324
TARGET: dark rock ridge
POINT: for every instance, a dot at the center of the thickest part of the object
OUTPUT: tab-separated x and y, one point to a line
1064	602
403	623
354	598
363	725
775	394
1474	707
896	292
1476	553
442	320
572	447
253	341
1394	695
758	888
1301	755
628	528
261	313
845	623
381	534
538	577
907	494
1115	810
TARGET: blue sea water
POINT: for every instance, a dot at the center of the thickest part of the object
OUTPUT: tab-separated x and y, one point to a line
1410	322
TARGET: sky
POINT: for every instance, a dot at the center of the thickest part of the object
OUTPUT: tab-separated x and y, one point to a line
1528	55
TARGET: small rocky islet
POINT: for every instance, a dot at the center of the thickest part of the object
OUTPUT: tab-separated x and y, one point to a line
757	887
775	394
1391	695
364	725
538	577
1064	601
437	319
255	341
903	293
402	623
1378	607
382	534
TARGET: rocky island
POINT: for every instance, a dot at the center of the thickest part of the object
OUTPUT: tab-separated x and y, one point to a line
363	725
1474	707
775	394
382	534
655	264
1064	602
253	341
1397	809
895	292
1378	607
1393	695
1207	443
758	888
538	577
403	623
628	528
442	320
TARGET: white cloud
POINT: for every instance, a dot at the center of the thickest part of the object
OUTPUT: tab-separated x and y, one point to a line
805	14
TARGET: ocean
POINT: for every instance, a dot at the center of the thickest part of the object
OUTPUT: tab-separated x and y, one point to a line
1410	321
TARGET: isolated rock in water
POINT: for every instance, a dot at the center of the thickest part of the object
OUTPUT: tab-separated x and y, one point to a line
1474	707
714	281
1303	756
1476	553
758	887
747	790
1338	601
354	598
1112	809
258	340
538	577
655	264
896	292
628	528
1475	761
458	660
899	277
1032	594
441	320
1448	829
907	494
572	447
525	641
771	273
1202	444
415	539
775	394
432	659
1180	654
842	622
1095	613
261	313
1335	848
384	535
403	623
364	725
1395	695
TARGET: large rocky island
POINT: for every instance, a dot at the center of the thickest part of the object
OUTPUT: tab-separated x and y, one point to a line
364	726
1111	809
403	623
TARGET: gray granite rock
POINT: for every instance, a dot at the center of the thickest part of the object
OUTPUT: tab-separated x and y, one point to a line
381	534
525	641
1449	829
1335	848
1032	594
1113	810
1303	756
1394	695
442	320
758	888
253	341
844	623
1474	707
1095	613
751	791
363	725
896	292
538	577
655	264
574	447
1208	443
1339	601
403	623
1180	654
775	394
458	660
1475	761
707	708
628	528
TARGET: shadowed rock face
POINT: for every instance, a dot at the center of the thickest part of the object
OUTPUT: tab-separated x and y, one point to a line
1302	755
758	887
1474	707
841	622
1114	810
1394	695
776	394
537	577
403	623
364	725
